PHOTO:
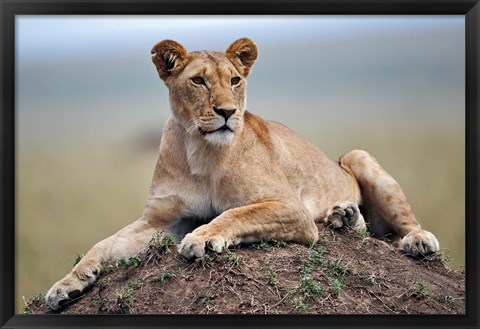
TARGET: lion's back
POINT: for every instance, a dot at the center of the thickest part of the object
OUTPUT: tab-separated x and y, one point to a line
317	179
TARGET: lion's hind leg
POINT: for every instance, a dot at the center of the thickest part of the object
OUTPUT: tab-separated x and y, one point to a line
386	208
345	213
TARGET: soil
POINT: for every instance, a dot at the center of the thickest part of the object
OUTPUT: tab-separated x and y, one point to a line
344	273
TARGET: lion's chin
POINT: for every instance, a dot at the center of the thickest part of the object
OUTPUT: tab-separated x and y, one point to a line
219	137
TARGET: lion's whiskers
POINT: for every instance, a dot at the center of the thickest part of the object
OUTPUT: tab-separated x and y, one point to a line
191	125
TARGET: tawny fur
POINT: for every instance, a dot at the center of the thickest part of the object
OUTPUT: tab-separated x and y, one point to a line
250	180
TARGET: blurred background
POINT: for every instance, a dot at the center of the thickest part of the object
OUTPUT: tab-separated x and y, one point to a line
90	109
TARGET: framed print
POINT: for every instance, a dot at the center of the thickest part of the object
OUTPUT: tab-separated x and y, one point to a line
140	188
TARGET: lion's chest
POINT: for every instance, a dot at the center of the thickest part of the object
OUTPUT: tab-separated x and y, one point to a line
206	190
204	200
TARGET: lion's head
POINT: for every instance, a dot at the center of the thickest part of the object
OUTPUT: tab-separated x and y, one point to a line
207	89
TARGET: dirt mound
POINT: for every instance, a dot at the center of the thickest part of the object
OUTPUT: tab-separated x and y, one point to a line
344	273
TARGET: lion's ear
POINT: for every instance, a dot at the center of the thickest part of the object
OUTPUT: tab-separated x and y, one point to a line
243	53
168	56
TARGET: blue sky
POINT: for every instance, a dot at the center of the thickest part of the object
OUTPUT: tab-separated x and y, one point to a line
41	37
73	69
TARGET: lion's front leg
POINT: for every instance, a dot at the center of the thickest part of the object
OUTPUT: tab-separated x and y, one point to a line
128	242
287	221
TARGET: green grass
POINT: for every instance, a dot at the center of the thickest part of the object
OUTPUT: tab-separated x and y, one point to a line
363	234
77	259
314	259
107	269
36	298
362	244
232	258
299	304
162	241
418	289
95	301
312	287
132	261
268	244
335	285
125	298
337	268
136	284
313	263
271	277
165	275
334	270
326	235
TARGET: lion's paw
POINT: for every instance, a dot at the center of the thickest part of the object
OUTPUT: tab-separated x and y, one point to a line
194	245
63	292
71	286
345	213
420	243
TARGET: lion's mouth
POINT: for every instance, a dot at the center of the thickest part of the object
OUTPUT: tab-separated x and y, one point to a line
222	128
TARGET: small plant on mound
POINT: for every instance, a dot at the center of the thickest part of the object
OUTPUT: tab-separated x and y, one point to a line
314	259
120	263
268	244
370	278
232	258
364	235
107	269
162	242
271	277
299	305
337	268
77	259
337	272
37	298
124	299
132	261
335	286
418	289
164	276
325	235
450	299
311	287
136	284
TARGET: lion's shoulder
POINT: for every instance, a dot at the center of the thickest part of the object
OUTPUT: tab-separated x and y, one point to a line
259	127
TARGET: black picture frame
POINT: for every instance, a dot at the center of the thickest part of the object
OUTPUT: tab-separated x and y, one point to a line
10	8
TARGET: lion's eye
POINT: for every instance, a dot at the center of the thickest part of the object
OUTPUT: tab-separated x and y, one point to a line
235	81
198	81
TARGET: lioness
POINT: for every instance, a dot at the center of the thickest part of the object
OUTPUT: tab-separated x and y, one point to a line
242	178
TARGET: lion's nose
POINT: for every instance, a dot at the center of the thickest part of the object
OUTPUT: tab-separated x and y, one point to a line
226	113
